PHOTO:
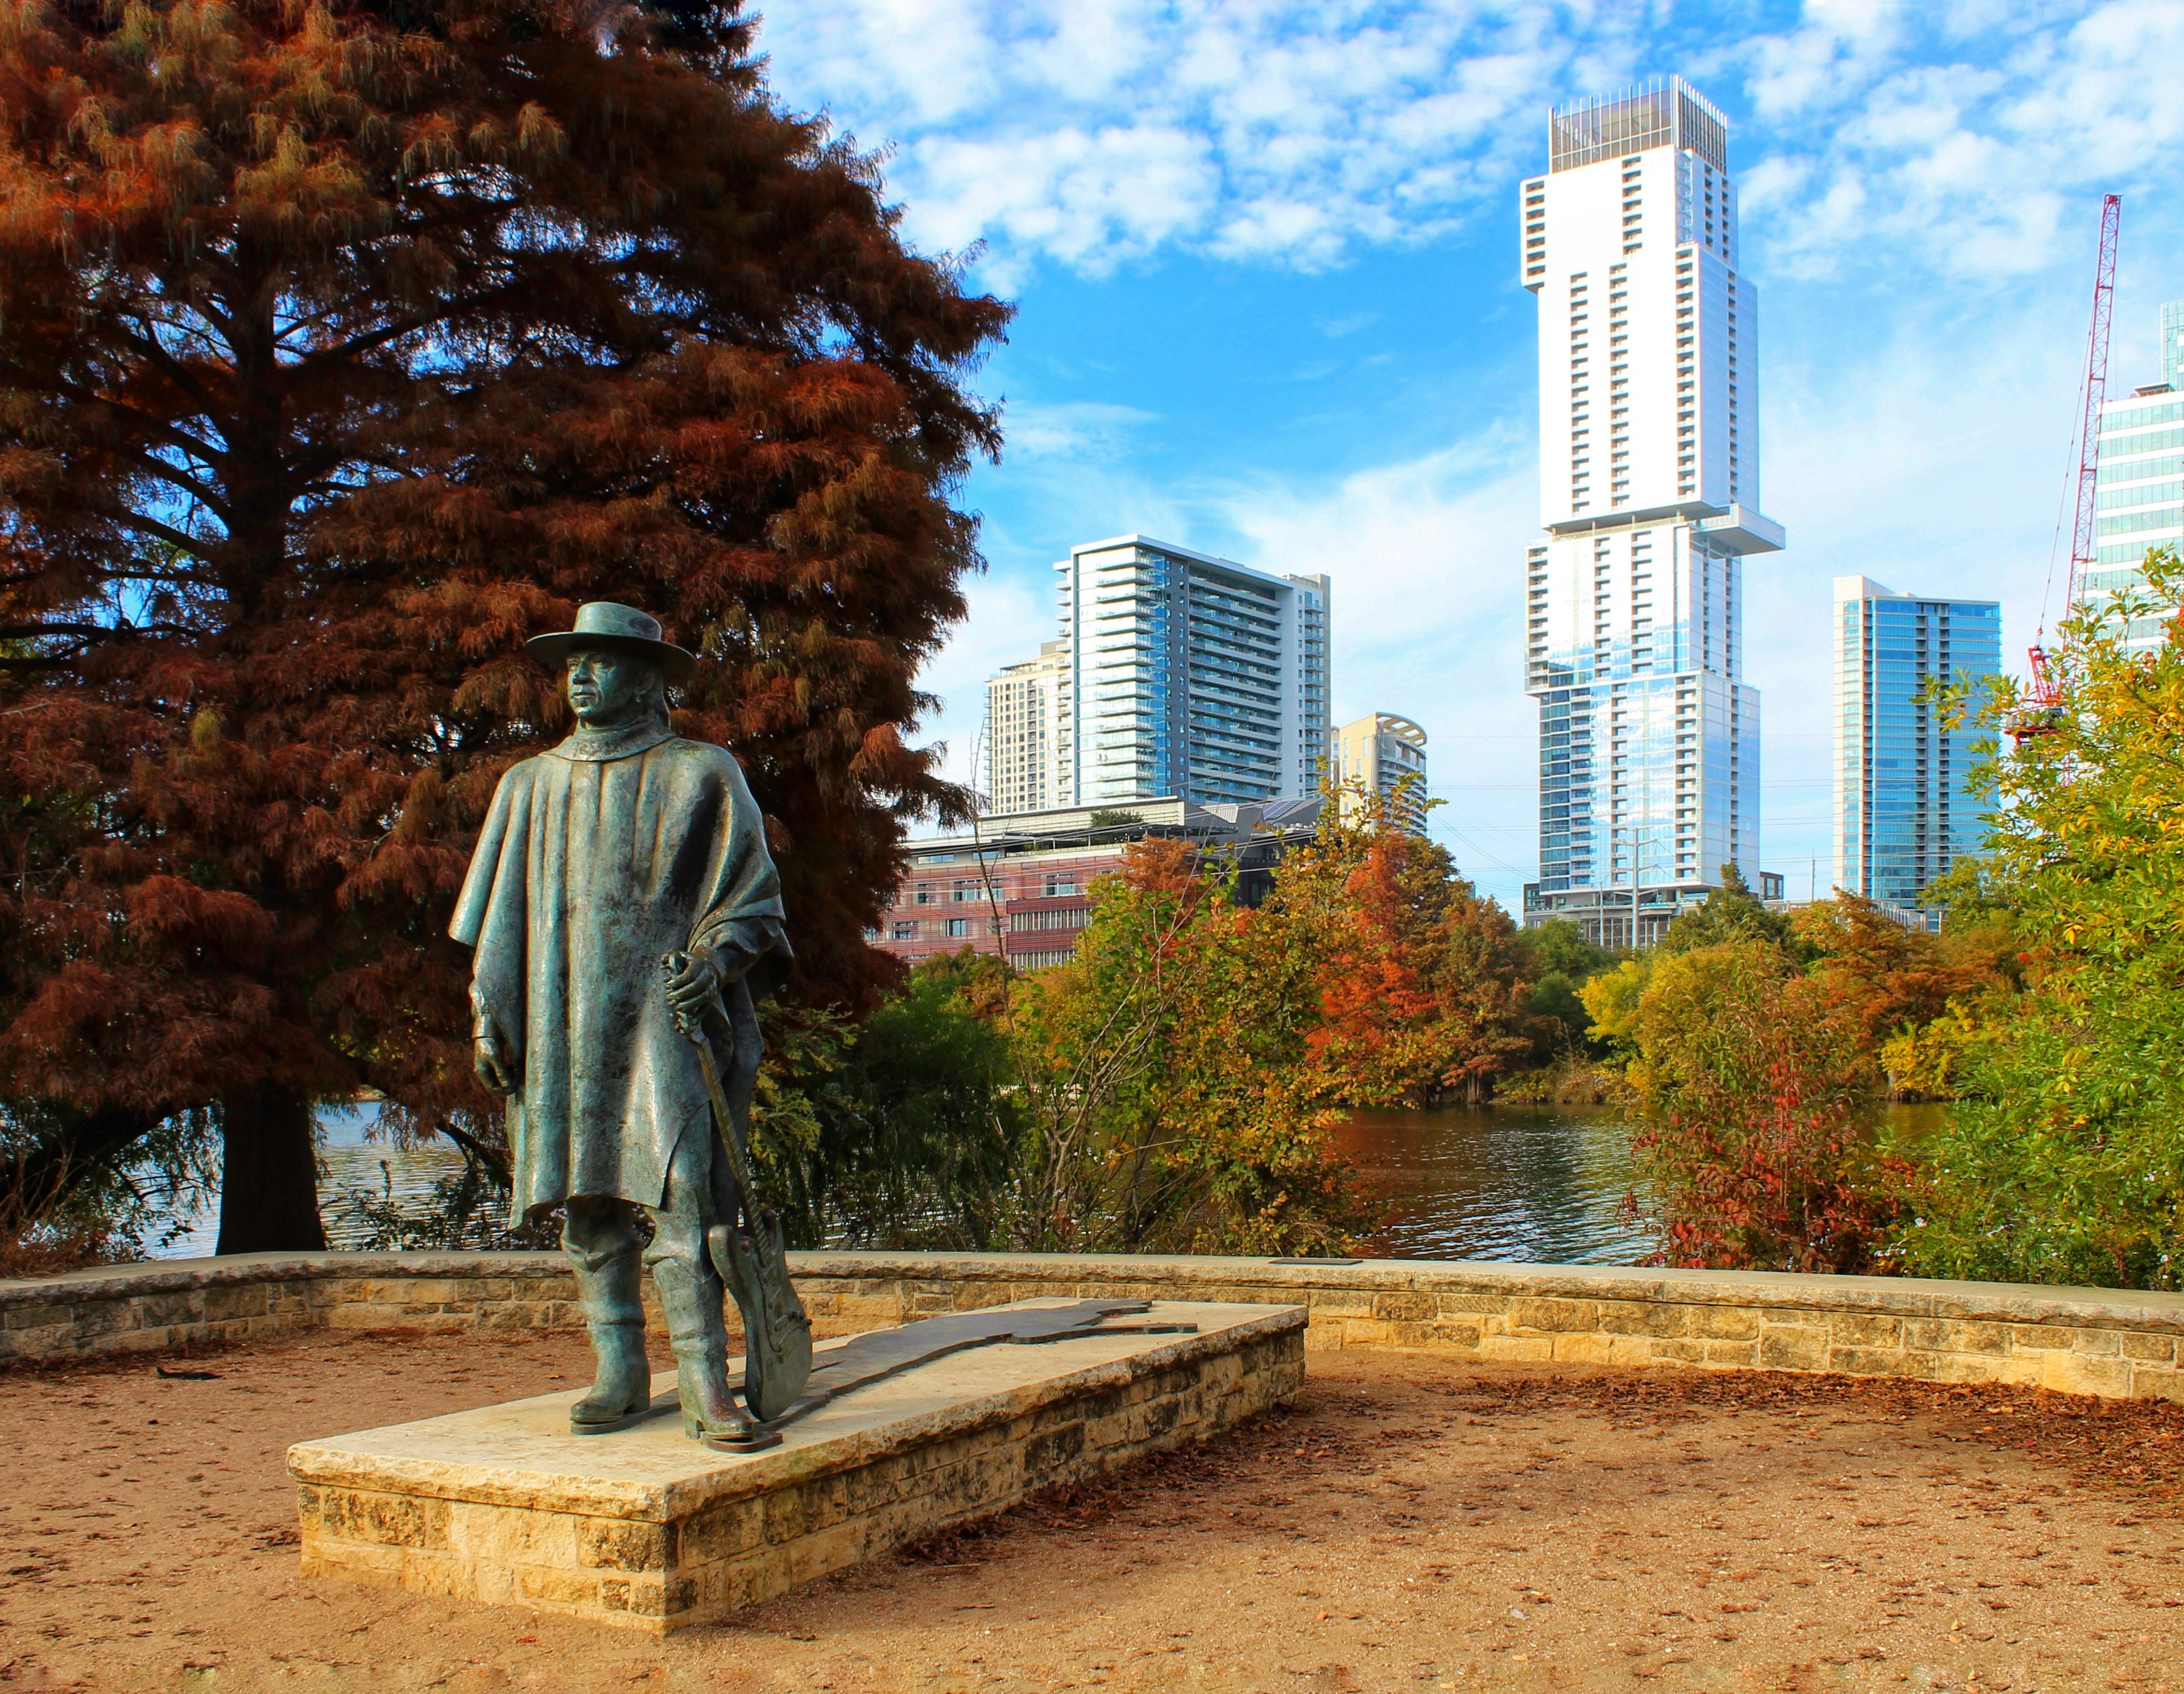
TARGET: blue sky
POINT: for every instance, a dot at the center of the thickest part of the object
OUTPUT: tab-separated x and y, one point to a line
1265	260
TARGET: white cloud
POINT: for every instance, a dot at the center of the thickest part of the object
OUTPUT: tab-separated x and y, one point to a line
1073	430
1089	133
1951	141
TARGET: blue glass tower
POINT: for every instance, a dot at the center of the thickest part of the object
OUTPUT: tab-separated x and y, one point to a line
1904	810
1188	675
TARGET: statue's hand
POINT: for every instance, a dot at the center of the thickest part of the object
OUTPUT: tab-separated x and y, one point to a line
692	987
495	1069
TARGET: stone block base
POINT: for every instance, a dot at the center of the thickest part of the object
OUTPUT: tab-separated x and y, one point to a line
647	1531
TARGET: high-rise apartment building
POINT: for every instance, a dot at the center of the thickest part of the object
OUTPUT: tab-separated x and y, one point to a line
2140	497
1023	729
1374	755
1649	497
1188	675
1903	809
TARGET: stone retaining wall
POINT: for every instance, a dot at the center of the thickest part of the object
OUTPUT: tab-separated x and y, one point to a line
2077	1340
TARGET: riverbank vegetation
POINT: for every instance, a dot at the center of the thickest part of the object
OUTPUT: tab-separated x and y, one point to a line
2048	1011
1177	1086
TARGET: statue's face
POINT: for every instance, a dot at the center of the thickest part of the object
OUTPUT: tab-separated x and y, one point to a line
606	687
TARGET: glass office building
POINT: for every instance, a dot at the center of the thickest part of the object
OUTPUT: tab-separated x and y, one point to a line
1903	809
1177	674
2140	499
1649	496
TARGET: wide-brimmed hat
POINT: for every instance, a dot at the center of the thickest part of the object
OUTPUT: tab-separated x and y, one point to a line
619	629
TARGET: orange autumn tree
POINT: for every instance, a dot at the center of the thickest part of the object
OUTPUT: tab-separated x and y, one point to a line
1422	986
341	349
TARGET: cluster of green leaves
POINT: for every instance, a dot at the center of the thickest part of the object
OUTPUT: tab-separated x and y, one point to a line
901	1131
1166	1077
1561	961
2064	1161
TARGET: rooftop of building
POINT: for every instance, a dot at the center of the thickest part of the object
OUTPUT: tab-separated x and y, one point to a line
1152	544
1673	114
1112	825
1848	589
1386	723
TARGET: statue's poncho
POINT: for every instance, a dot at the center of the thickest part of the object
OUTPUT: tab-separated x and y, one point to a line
596	859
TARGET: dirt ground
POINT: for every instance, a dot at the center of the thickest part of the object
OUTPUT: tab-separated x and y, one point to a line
1413	1524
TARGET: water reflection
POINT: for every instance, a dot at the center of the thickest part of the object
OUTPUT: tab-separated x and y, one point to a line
347	1162
1542	1185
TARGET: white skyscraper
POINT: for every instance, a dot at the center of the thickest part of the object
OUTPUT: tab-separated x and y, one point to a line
1649	495
1024	706
1177	674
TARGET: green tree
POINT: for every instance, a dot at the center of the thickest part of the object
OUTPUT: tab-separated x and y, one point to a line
1560	962
935	1117
1758	1087
1730	912
1611	1001
2064	1161
1170	1105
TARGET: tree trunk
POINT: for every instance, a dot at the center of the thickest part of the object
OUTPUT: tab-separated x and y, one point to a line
269	1187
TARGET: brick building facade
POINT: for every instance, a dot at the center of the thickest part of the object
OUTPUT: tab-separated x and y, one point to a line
1021	886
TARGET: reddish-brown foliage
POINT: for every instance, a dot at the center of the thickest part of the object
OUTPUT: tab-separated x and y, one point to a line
1890	977
1422	986
340	350
1757	1079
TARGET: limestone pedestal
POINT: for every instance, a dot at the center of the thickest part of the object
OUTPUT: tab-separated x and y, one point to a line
645	1530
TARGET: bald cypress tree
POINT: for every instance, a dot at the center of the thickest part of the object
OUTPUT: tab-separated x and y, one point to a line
341	349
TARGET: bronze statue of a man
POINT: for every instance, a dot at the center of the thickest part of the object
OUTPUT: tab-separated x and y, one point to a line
624	846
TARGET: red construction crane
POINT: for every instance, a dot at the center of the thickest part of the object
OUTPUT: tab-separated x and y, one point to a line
2043	696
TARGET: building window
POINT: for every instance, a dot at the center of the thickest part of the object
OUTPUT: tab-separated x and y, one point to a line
956	926
1064	917
905	932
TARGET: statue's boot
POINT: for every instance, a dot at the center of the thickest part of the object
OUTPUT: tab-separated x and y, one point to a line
691	1296
622	1391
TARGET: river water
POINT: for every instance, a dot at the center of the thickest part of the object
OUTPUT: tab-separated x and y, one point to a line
1532	1182
350	1159
1542	1185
